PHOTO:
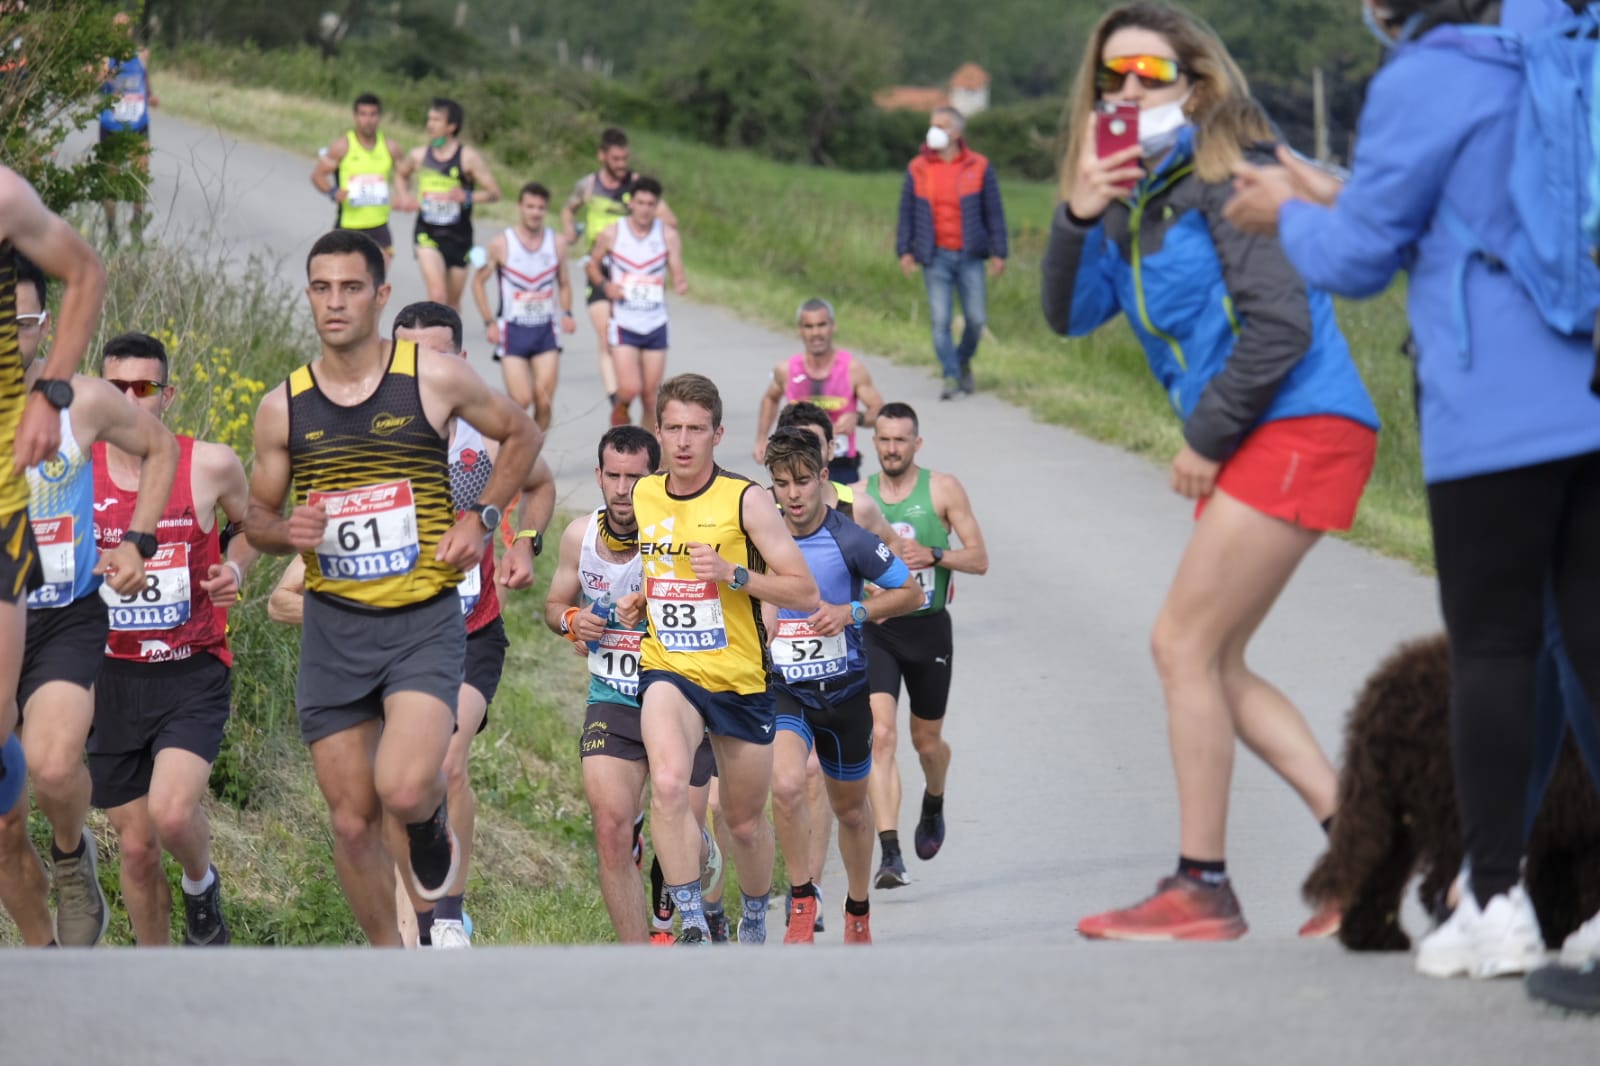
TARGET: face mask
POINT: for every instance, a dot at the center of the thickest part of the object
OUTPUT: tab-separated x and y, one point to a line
1369	19
1160	126
438	142
938	139
1374	22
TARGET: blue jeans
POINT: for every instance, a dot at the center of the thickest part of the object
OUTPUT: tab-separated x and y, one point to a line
1560	704
964	274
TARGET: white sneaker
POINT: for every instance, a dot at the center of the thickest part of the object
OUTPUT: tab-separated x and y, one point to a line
1583	944
449	933
1497	941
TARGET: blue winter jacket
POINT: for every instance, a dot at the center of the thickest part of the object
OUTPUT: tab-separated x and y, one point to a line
1437	128
1229	329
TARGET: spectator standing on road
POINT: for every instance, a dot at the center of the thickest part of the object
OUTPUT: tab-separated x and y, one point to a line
1279	433
951	220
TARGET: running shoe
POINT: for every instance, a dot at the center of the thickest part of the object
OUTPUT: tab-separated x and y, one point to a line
1181	909
434	855
449	934
717	922
929	836
1323	924
81	911
619	414
1499	940
661	938
788	907
1572	989
801	920
203	925
952	389
857	928
892	873
692	935
1582	944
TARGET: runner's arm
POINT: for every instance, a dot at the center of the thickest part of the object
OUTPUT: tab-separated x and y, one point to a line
771	403
787	581
265	525
564	285
569	210
287	602
100	408
327	167
680	280
866	391
664	213
218	465
150	97
480	281
597	255
869	516
564	586
488	190
405	167
950	501
534	513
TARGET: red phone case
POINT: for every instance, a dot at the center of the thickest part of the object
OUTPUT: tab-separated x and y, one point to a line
1116	126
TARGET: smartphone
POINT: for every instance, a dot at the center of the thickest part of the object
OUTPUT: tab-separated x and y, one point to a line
1116	126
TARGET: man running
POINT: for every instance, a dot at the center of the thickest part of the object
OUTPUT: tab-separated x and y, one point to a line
451	178
126	118
66	637
527	261
822	700
357	172
602	199
924	507
361	433
714	548
164	693
640	251
829	377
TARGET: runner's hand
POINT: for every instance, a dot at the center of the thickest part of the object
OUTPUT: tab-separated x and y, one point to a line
630	609
568	323
760	453
680	286
1193	475
612	290
516	565
493	332
914	555
587	626
708	565
221	586
307	524
404	201
463	544
570	235
38	434
830	619
123	568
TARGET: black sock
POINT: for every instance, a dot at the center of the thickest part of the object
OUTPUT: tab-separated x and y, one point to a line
425	928
57	854
1210	874
660	897
890	839
1327	825
805	891
932	806
858	908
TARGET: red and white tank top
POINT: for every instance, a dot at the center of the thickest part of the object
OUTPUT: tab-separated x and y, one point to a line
171	617
528	281
639	266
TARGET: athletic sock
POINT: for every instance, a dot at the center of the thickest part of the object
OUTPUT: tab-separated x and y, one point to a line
932	806
425	928
687	899
57	854
753	919
859	908
890	841
805	891
448	909
195	888
1211	874
660	895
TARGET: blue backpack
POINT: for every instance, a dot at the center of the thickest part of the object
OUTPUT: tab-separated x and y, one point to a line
1555	174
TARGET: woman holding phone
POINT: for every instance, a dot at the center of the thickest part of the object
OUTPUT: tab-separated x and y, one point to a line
1280	434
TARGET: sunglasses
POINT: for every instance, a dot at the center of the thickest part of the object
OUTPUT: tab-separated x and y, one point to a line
1155	72
141	389
33	320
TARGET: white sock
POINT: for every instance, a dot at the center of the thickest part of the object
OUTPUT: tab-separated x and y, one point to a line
194	888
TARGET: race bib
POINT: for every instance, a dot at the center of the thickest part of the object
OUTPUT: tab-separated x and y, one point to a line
59	560
615	660
535	308
371	534
925	578
367	190
163	602
686	615
802	654
440	212
642	292
129	108
471	587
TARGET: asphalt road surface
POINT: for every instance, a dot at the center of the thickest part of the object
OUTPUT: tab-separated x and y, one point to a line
1060	799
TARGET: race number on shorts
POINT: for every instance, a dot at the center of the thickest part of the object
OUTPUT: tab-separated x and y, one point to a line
59	560
686	615
615	660
162	602
803	654
371	534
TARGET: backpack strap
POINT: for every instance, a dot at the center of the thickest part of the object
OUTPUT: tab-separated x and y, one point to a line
1471	248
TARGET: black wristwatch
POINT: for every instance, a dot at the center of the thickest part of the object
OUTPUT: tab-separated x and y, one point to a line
488	514
938	555
145	542
741	578
57	393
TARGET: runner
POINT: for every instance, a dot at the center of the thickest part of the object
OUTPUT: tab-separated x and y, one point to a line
357	173
451	178
164	693
829	377
361	432
712	550
127	119
822	700
527	261
67	637
602	198
924	507
640	249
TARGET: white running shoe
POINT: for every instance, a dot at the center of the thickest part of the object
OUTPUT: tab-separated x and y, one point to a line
448	934
1499	940
1583	944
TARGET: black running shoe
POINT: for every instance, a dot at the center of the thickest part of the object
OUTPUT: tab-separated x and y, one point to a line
434	855
930	835
1575	990
717	922
203	924
892	872
692	935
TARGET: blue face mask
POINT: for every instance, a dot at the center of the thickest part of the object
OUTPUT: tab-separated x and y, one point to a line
1375	26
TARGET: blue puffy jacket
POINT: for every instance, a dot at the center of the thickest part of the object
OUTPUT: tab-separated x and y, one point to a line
1437	128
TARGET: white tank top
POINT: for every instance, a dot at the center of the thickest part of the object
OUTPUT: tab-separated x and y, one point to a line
528	281
598	575
639	265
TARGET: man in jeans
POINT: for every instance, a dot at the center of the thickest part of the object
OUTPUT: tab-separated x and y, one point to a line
951	220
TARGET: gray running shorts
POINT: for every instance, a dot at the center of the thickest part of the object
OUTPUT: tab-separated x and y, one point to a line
350	660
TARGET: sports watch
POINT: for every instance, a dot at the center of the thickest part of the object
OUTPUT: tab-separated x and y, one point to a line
938	555
488	514
57	393
145	542
741	578
858	613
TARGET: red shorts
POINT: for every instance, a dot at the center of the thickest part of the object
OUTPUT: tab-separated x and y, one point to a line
1308	471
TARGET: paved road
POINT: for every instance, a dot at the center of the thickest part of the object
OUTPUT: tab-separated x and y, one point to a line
1060	799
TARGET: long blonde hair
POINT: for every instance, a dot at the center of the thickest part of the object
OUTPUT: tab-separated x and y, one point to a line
1213	75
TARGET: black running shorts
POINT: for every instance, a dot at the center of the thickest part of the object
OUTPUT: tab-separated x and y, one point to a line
64	644
916	649
141	709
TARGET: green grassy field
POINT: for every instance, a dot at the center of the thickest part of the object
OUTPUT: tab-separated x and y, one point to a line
760	237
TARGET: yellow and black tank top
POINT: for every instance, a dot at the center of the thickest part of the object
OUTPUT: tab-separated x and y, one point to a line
700	630
382	473
13	395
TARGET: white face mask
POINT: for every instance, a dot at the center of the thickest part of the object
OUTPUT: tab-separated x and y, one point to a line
1160	126
938	139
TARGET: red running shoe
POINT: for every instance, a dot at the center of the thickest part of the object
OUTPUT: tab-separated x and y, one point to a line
802	921
857	928
1181	909
662	938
